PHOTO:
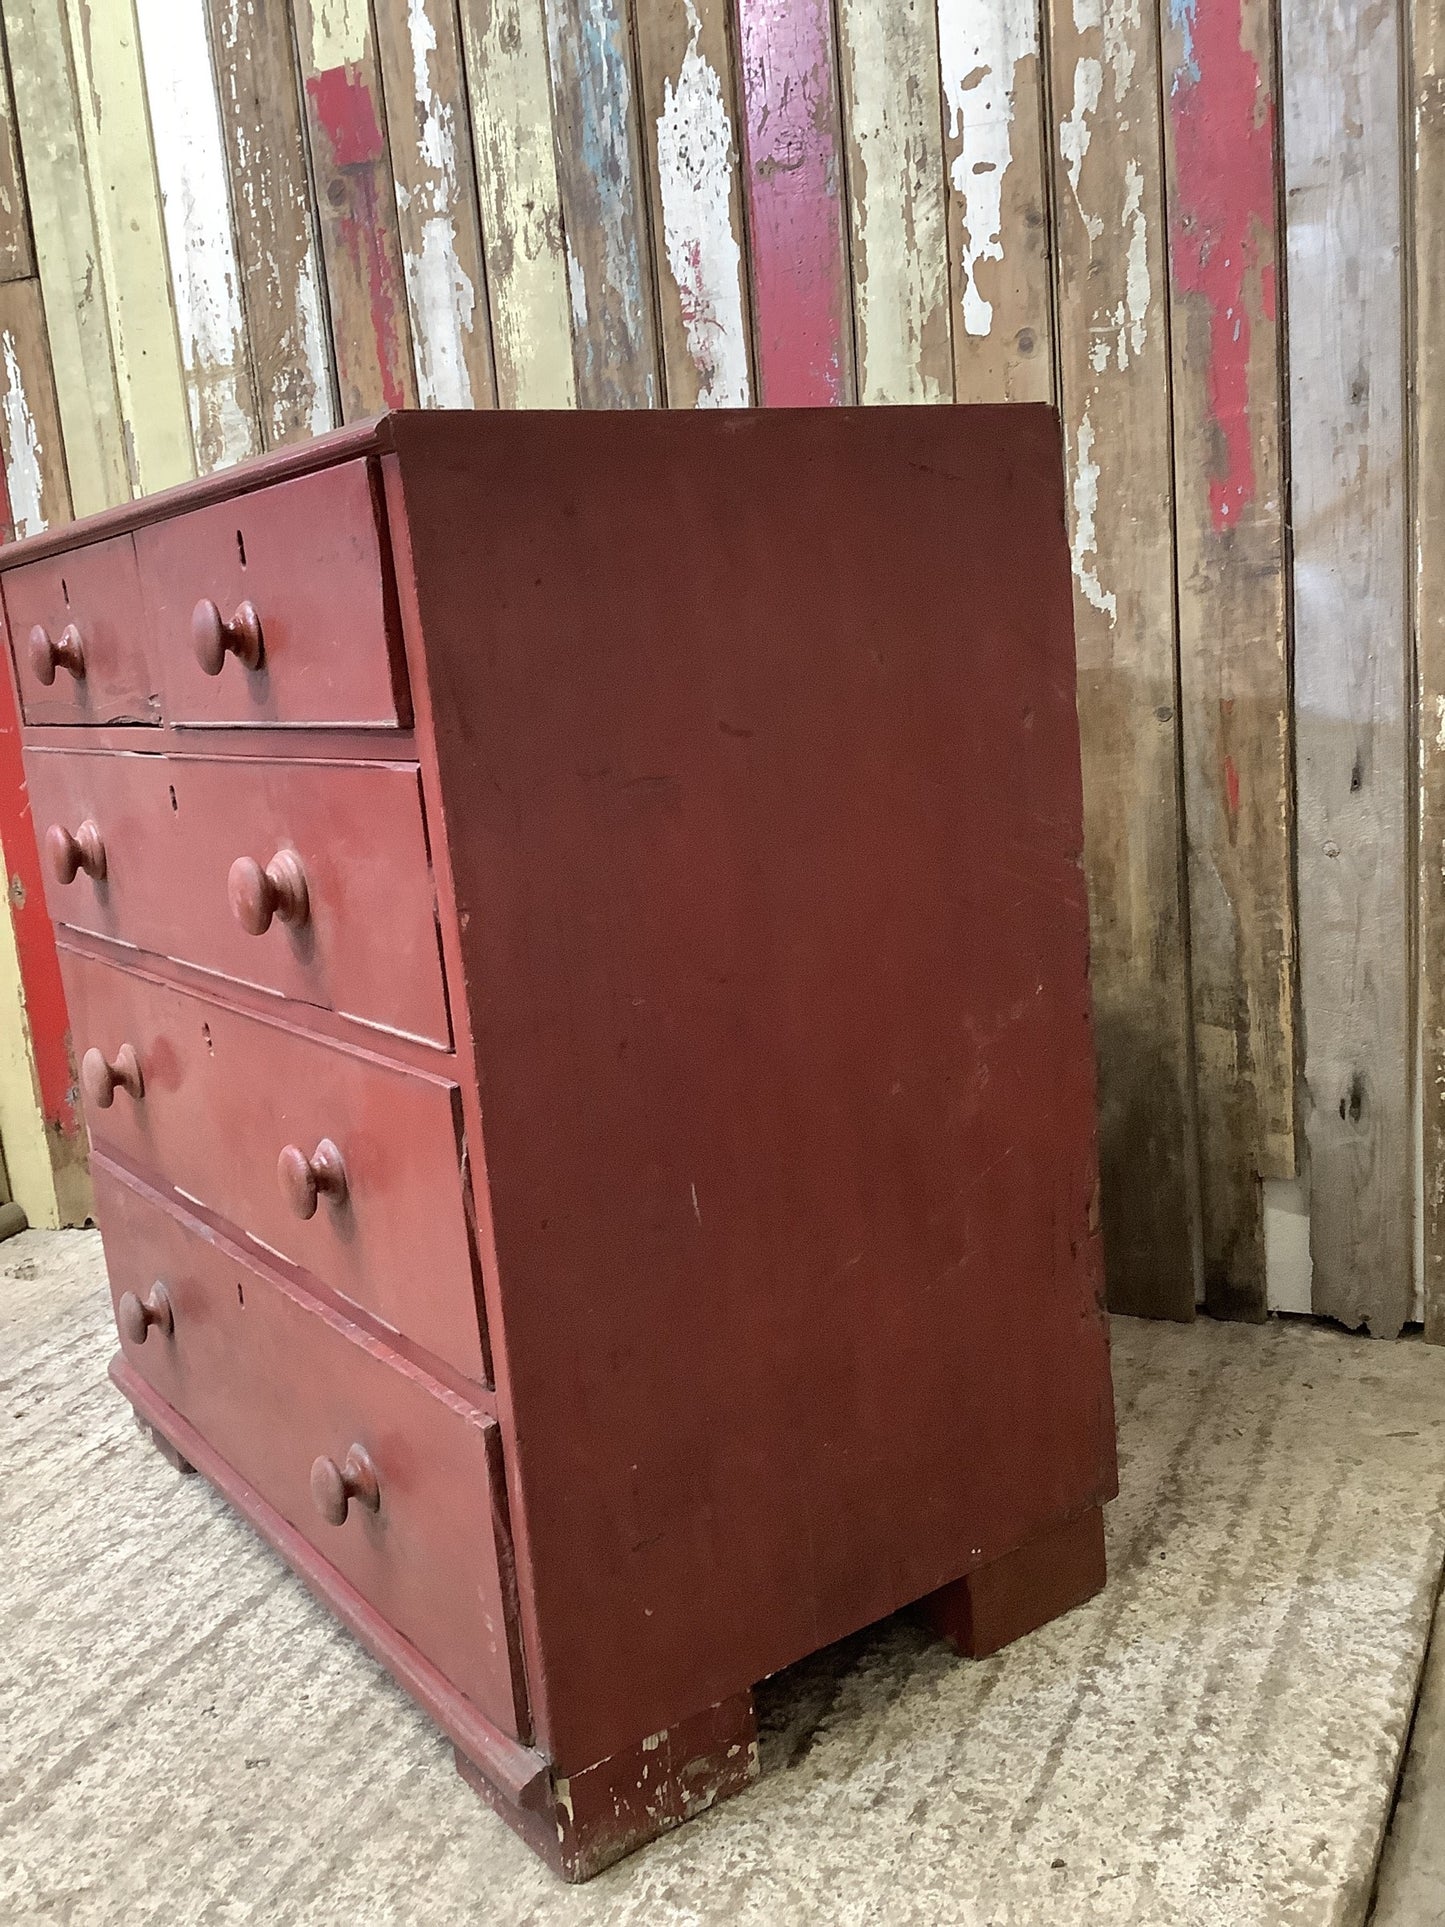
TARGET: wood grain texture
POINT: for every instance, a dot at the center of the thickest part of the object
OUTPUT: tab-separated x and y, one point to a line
604	204
995	150
896	198
1114	365
276	243
685	63
794	184
30	437
17	251
1341	90
1426	429
419	42
110	95
1234	675
67	253
205	276
505	43
356	196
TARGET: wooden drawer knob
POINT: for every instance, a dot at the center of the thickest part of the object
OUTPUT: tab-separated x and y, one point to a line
100	1081
135	1316
333	1486
303	1179
47	656
69	855
213	638
279	890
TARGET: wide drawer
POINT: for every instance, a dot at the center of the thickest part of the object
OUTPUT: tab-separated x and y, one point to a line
275	1383
259	1122
304	565
78	635
169	831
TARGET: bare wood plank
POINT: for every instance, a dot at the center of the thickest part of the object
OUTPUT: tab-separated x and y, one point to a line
17	252
892	113
361	243
30	438
67	253
604	206
1341	94
276	242
1234	675
1427	429
794	185
994	148
205	277
431	156
1115	393
505	43
695	178
110	95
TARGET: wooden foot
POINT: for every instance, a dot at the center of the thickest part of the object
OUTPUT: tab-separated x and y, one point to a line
582	1822
164	1447
1022	1591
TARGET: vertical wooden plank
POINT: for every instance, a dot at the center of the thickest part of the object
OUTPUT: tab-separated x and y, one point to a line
1114	367
695	179
994	148
431	155
1234	674
205	278
110	96
1341	91
1427	431
794	185
67	252
39	494
893	116
276	244
17	253
361	244
604	207
506	55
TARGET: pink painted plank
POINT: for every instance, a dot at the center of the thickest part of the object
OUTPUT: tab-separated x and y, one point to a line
794	152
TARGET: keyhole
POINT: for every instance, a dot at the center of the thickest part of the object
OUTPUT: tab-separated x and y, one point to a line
206	1033
240	1295
65	591
174	804
241	547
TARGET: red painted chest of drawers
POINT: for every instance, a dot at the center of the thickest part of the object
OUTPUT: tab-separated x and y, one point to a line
577	952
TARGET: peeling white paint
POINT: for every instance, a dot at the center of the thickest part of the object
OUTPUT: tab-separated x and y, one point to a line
1122	335
440	293
696	167
1440	722
980	45
1086	503
1075	133
339	30
24	474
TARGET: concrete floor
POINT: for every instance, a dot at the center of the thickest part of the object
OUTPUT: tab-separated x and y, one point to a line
185	1736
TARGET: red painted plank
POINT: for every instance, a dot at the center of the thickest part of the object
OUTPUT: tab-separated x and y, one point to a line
794	150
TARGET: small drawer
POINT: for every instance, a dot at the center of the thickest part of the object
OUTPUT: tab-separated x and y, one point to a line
273	607
78	634
308	879
394	1481
347	1166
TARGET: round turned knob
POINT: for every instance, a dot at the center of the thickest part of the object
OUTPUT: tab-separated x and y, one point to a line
333	1486
100	1081
303	1180
279	890
47	656
135	1316
69	855
213	638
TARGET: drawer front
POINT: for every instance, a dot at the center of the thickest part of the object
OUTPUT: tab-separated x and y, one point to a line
170	830
78	620
308	557
275	1382
224	1097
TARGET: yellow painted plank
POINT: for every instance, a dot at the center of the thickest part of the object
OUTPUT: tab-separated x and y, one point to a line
110	97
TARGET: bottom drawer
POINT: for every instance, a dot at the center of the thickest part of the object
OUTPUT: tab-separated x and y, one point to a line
278	1384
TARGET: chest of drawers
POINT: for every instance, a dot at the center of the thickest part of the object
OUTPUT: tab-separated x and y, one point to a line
577	953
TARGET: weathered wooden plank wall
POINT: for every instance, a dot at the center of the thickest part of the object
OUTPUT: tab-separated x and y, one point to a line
343	205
